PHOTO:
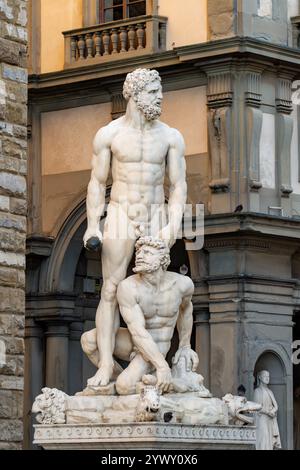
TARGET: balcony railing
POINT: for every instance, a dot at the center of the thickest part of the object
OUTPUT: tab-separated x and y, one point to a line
115	40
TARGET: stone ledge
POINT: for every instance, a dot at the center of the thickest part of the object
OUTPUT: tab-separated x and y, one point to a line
144	436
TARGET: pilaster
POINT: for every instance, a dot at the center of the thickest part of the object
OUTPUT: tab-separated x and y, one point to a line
253	116
284	133
219	100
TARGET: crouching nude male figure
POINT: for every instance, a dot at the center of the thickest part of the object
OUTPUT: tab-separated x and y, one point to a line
151	302
140	150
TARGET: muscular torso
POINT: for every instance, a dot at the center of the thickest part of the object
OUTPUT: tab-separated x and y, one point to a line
160	308
138	167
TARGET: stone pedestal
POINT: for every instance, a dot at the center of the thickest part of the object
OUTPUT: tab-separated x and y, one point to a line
144	436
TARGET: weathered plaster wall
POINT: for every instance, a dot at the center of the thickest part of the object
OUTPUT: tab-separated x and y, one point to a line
67	137
267	151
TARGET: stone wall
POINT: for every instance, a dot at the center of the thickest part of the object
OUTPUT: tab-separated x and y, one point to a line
13	161
221	19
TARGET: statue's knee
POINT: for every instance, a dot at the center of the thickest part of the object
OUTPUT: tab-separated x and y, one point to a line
88	346
124	385
109	291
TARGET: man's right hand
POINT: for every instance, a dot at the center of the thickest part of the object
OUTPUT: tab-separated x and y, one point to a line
92	240
164	379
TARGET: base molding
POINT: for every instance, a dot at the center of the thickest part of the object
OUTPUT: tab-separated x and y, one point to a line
143	436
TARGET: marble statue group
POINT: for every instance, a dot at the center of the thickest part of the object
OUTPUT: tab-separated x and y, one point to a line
141	151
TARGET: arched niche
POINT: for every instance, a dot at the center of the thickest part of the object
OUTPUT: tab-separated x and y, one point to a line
272	362
61	267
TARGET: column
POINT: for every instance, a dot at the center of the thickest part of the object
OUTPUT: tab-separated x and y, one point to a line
75	359
57	355
202	343
33	375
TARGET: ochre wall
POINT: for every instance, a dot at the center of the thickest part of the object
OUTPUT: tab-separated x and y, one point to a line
57	16
187	21
186	111
67	138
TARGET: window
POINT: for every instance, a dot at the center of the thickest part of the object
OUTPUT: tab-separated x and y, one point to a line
113	10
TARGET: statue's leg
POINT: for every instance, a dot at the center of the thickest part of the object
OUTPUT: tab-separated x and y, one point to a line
126	382
89	346
116	255
123	345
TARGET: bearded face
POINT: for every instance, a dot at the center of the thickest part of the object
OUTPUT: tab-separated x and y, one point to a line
149	100
147	260
150	111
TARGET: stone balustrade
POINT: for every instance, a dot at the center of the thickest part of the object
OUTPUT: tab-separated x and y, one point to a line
117	39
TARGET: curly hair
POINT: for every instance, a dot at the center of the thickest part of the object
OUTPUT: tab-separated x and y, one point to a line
137	80
158	244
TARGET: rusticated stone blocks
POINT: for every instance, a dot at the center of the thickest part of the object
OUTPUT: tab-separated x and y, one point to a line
13	165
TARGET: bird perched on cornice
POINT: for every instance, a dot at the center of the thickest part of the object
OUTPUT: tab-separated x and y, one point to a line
238	209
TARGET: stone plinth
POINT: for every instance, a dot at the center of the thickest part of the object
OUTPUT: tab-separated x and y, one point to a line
143	436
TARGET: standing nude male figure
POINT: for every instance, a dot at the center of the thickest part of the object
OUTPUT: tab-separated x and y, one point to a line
140	150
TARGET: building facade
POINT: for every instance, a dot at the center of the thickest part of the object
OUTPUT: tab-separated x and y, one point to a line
230	72
13	209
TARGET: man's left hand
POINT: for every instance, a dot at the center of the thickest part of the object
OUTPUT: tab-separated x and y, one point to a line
191	358
166	235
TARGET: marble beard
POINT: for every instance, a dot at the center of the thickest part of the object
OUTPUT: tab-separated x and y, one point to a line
141	151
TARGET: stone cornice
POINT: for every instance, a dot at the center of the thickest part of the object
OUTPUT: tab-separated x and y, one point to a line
57	307
252	224
175	62
38	245
252	279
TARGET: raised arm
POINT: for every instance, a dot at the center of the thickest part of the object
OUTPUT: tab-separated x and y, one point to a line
176	170
185	326
95	201
135	320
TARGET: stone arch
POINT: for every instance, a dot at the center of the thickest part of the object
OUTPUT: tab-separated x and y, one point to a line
67	248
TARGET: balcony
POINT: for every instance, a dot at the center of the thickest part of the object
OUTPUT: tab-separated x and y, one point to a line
115	40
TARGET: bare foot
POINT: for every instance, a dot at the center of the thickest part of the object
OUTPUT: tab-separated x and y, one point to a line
101	378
